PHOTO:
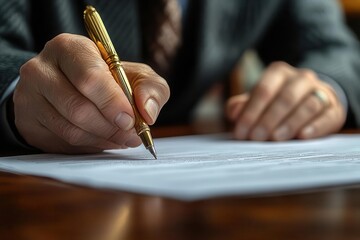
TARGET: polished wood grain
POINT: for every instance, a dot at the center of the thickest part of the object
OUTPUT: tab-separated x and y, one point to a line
42	208
36	208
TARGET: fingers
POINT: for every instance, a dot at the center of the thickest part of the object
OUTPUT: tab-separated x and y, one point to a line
93	79
88	108
73	106
263	94
88	73
329	121
289	97
297	105
316	116
303	114
49	118
58	145
42	127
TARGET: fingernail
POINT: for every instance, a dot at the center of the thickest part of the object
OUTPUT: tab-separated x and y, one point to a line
124	121
152	108
241	132
259	134
308	131
282	133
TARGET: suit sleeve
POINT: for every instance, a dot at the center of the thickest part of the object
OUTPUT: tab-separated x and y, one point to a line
313	34
15	49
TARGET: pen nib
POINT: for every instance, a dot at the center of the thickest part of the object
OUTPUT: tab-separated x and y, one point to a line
152	151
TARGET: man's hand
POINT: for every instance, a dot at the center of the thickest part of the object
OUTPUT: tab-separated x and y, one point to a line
68	102
287	103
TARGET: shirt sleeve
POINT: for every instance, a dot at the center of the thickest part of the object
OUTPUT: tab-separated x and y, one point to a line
10	138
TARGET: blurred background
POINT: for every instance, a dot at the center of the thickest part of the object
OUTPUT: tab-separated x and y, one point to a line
352	13
209	117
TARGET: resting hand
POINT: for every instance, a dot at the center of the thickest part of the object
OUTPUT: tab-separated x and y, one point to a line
67	100
287	103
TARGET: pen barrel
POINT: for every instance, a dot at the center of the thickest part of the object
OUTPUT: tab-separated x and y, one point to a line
120	77
142	129
98	33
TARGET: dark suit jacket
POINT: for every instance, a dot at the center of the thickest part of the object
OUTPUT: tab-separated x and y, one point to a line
304	33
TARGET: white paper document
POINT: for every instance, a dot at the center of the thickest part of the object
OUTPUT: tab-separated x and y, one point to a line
199	167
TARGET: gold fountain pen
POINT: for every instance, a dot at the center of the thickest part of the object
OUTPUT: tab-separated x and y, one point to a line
97	32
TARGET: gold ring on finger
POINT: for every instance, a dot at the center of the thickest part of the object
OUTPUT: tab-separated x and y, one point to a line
322	97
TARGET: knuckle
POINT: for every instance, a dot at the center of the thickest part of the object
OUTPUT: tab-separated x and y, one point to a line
313	106
89	82
287	99
46	116
77	110
106	101
138	69
146	68
62	42
58	47
69	46
158	83
307	74
91	85
27	68
312	109
143	75
263	91
144	71
73	136
278	65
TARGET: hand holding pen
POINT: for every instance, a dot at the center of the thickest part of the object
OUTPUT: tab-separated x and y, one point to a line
98	33
68	102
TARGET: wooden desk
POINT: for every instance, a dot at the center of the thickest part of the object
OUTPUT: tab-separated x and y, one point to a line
40	208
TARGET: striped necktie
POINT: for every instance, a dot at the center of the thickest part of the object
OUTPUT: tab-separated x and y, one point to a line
162	34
